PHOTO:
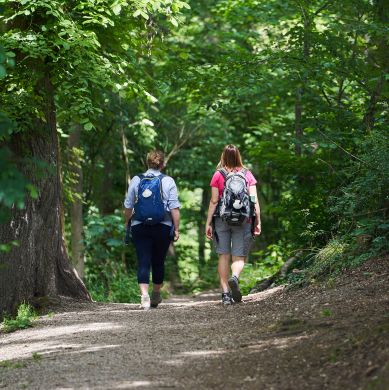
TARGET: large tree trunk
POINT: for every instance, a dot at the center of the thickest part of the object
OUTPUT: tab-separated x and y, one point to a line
39	266
76	217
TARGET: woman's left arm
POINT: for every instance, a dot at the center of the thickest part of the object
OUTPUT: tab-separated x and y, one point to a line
174	207
253	192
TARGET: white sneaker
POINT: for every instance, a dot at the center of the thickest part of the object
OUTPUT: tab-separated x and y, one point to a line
145	302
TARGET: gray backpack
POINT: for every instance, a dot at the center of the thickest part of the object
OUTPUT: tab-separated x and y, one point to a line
235	206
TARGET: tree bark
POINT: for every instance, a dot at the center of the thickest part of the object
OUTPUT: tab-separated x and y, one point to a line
298	108
380	60
39	266
298	130
76	216
107	206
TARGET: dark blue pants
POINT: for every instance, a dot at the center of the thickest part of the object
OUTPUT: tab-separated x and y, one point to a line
151	245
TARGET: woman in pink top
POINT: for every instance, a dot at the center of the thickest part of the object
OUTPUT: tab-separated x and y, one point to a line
231	240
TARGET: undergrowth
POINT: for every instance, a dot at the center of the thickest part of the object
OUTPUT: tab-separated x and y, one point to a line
24	319
339	255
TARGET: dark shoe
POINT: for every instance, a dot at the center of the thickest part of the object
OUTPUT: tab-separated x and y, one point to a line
234	286
155	299
226	299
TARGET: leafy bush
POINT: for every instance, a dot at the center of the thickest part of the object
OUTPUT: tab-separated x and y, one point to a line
110	265
326	261
118	287
266	263
23	319
362	205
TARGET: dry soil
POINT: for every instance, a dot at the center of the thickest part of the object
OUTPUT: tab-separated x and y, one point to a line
325	336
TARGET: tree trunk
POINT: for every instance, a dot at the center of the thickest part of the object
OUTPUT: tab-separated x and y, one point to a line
76	216
107	206
39	266
298	130
298	109
380	59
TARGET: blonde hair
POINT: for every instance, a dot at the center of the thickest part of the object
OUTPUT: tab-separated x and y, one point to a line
155	159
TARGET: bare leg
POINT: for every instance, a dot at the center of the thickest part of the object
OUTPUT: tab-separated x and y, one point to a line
144	288
224	270
157	287
237	265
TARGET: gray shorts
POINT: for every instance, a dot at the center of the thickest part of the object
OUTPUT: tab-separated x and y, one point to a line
234	240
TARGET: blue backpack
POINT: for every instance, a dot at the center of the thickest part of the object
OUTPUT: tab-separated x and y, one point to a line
149	207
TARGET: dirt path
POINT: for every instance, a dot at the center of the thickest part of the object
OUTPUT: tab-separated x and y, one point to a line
323	337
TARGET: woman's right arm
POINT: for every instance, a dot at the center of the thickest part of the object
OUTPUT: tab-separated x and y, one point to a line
211	211
129	201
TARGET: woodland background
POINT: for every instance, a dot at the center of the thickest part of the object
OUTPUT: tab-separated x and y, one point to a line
88	87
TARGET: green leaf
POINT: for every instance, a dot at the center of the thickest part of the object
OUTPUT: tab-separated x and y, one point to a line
2	71
173	21
33	191
116	9
88	126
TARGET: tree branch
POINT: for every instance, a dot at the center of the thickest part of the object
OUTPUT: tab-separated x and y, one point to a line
323	7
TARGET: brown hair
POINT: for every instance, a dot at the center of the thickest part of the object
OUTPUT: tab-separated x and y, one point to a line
230	158
155	159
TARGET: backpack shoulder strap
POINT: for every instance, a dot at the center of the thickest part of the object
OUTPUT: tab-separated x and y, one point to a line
160	178
224	173
244	171
140	175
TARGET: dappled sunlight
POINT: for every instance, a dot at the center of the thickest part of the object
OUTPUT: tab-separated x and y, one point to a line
203	353
190	303
96	348
273	343
26	351
13	352
174	362
260	296
132	384
55	331
278	343
124	384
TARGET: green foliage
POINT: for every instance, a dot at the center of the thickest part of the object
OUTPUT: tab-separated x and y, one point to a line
120	286
328	260
36	356
362	205
360	208
298	86
326	313
24	319
110	265
265	263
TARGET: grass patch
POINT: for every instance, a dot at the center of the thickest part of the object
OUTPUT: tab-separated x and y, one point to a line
36	356
326	313
11	364
24	318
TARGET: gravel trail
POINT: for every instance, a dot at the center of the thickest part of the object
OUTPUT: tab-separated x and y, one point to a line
318	337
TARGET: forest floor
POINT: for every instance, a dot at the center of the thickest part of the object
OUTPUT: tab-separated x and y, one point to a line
326	336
